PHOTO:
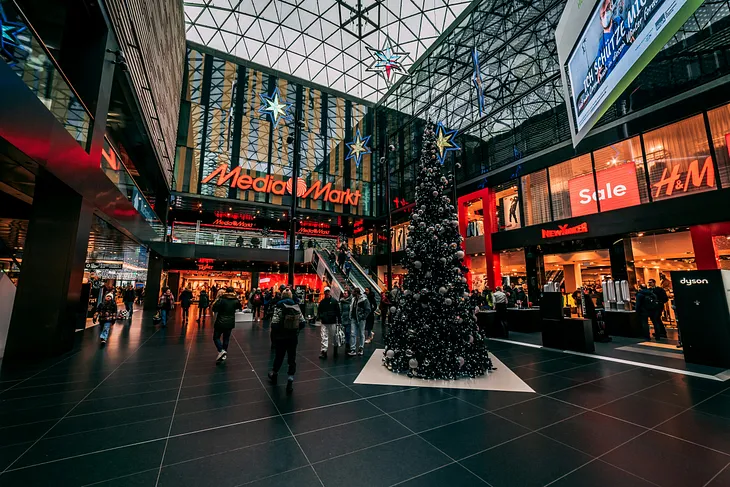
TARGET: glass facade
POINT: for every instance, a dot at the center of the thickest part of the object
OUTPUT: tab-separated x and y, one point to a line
227	148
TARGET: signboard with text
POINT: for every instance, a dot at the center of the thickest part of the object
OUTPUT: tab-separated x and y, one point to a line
617	188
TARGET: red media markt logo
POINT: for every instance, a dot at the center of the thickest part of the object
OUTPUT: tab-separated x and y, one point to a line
301	187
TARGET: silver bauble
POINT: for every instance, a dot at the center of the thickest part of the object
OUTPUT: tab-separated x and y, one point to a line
442	290
390	354
417	264
413	363
393	309
460	254
461	361
447	301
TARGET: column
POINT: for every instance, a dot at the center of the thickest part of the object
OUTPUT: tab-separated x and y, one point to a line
152	286
573	277
535	267
706	257
621	254
46	309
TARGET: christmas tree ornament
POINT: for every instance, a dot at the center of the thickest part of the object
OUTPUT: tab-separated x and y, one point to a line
442	290
274	108
460	254
390	354
413	363
358	148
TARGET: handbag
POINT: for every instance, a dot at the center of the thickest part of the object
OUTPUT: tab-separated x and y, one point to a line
339	336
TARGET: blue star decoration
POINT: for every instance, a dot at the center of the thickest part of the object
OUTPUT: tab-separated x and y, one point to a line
388	61
358	148
274	107
9	37
477	80
445	142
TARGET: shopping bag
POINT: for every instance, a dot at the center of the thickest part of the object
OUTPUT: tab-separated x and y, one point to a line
157	318
339	337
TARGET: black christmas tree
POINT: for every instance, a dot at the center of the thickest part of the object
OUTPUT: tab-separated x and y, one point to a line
434	334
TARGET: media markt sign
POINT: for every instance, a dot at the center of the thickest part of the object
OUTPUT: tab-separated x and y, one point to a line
268	184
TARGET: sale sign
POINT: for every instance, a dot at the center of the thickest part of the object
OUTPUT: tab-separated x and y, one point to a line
617	188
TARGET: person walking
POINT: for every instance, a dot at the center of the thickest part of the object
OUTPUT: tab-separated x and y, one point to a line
370	320
203	304
286	323
359	312
128	299
139	292
225	308
500	305
186	299
328	313
106	314
257	301
656	317
166	305
345	304
107	288
647	306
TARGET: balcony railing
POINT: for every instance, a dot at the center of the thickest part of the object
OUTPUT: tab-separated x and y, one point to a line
27	55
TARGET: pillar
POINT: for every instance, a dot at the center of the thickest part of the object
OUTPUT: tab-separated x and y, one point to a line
493	263
706	256
621	254
573	277
152	286
535	267
45	312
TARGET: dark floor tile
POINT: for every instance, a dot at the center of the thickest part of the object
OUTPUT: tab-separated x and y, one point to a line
526	372
218	374
718	406
106	419
700	383
547	384
722	479
236	467
673	462
8	454
595	371
492	400
640	410
132	400
327	443
225	439
37	393
143	479
704	429
678	394
453	475
9	406
527	461
592	433
370	390
301	477
216	401
600	474
34	415
436	414
112	389
301	400
324	417
88	469
55	448
473	435
633	380
390	458
539	413
557	365
186	423
408	398
22	433
588	395
220	388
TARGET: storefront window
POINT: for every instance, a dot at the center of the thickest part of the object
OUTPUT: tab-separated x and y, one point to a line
620	175
720	128
475	218
572	188
536	201
512	263
678	158
508	210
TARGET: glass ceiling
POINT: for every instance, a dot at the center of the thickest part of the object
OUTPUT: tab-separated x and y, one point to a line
332	43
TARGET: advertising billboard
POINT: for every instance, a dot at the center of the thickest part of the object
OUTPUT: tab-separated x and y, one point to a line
617	188
604	45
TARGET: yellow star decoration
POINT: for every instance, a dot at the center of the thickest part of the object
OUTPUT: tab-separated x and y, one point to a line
443	142
276	108
358	147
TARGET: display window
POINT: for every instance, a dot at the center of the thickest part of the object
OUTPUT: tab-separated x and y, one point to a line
679	161
475	218
620	176
572	188
514	268
656	256
399	237
720	127
508	206
536	199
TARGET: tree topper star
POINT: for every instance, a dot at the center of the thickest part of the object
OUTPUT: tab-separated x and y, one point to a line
388	61
274	107
445	142
358	148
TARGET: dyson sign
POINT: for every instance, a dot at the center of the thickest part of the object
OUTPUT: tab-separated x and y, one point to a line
617	188
691	282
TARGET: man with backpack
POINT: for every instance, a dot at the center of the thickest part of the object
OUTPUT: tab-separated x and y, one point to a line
257	301
329	314
225	308
656	317
285	325
647	305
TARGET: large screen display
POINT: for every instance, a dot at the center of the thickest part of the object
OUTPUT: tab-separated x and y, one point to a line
609	48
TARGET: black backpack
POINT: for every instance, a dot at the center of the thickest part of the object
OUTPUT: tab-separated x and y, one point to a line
651	303
290	317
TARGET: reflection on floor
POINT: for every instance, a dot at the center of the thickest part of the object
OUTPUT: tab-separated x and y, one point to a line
152	409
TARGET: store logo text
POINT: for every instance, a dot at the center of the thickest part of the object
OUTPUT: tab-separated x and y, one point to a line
564	230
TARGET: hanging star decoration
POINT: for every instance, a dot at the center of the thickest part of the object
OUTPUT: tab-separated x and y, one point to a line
477	80
388	61
274	107
9	37
445	142
358	148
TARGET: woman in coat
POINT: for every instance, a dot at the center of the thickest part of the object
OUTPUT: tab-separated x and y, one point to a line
203	304
186	299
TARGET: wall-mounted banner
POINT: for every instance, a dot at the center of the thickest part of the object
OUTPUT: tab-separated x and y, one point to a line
603	45
617	188
268	184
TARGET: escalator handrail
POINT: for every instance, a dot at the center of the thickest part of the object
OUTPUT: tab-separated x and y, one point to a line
374	284
328	269
351	279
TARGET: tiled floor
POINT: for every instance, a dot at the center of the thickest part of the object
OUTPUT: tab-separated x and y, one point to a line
153	409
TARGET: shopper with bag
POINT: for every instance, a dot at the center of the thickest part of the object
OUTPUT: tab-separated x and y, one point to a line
359	312
129	301
286	323
328	312
203	304
647	306
166	305
225	308
186	299
106	314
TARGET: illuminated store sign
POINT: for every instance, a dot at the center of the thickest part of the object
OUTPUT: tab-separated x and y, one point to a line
605	44
617	188
204	264
93	266
676	181
564	230
314	228
690	282
268	184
